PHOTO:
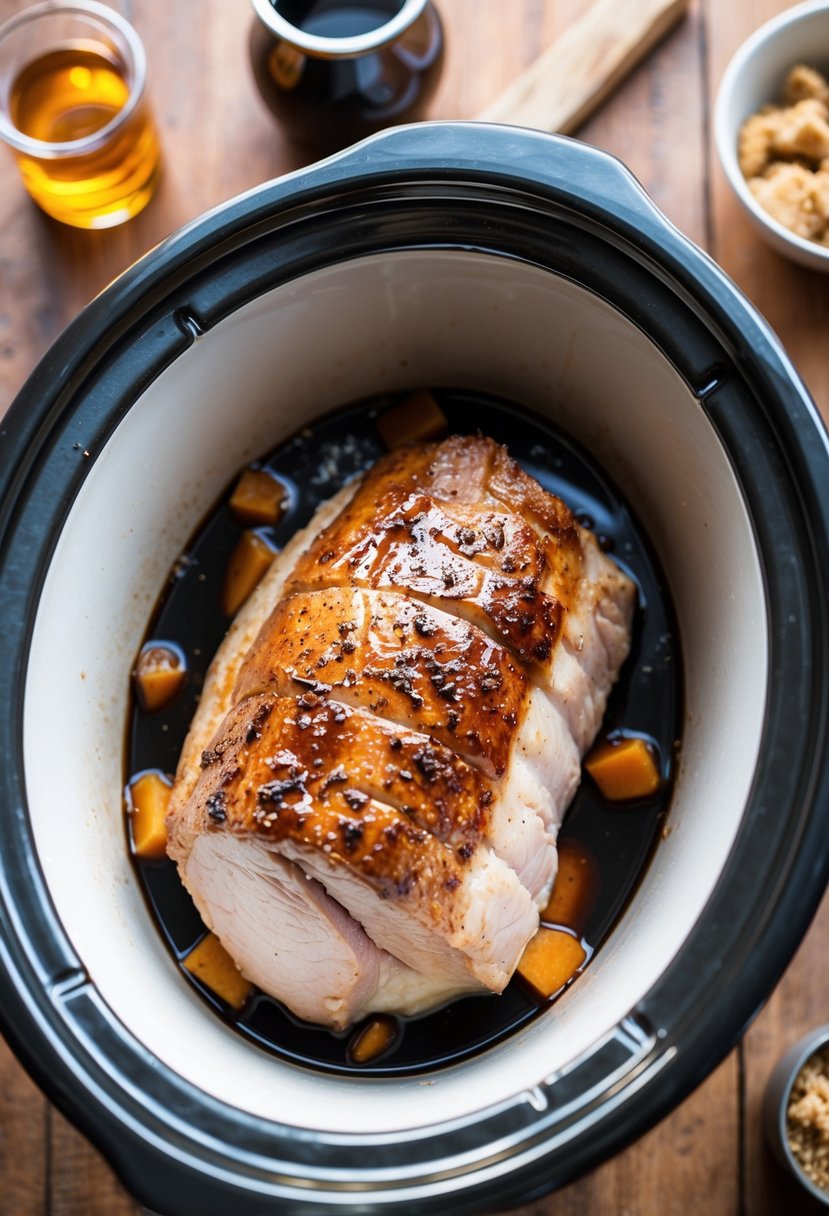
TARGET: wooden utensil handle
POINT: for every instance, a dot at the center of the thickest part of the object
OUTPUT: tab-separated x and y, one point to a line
574	75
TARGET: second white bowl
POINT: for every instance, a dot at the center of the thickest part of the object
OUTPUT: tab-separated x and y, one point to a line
755	77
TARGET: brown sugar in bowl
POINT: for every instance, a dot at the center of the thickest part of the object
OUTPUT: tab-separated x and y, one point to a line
796	1125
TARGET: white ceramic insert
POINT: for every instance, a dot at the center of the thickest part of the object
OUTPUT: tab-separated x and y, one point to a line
384	323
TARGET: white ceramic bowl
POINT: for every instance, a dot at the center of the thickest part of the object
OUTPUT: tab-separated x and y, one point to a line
755	77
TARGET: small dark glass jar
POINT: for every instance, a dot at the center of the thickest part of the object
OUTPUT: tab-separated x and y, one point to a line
334	71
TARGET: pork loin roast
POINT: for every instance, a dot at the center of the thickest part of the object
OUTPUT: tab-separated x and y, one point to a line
366	806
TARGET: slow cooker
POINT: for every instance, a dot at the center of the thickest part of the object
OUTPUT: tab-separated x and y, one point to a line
486	258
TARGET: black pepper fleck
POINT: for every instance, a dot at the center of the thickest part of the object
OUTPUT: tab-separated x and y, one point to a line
217	806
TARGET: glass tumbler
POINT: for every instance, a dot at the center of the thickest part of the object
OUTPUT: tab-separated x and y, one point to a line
73	111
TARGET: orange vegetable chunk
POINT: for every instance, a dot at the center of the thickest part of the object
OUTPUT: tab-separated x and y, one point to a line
159	676
574	890
248	562
624	768
210	963
415	420
149	796
372	1040
258	498
550	959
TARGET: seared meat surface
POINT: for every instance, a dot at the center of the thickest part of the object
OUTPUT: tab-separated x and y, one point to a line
367	804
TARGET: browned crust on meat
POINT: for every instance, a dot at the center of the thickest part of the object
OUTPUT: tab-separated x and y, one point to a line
424	522
556	528
398	658
393	807
360	671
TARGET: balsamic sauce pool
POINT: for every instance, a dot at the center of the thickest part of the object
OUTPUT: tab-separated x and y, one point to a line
613	841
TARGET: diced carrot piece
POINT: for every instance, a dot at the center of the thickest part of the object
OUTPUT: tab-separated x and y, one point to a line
210	963
149	796
259	498
574	890
550	959
624	768
248	562
372	1040
159	675
415	420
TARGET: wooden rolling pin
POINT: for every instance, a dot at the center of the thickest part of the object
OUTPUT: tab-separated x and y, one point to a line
563	86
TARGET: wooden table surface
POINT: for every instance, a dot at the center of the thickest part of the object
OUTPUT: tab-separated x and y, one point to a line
708	1156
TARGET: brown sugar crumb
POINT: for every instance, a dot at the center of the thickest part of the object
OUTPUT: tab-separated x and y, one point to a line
807	1118
802	131
795	197
756	135
803	82
784	152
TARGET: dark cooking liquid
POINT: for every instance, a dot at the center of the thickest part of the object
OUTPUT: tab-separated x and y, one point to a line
338	18
616	840
327	103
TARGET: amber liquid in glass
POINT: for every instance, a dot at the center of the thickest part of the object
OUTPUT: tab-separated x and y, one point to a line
70	94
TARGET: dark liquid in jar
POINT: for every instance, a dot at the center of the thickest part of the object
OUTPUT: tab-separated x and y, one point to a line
327	103
338	18
615	842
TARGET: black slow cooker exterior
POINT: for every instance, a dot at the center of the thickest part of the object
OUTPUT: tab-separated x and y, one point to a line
569	208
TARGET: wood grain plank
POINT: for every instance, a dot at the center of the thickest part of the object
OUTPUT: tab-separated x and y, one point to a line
23	1142
81	1182
485	50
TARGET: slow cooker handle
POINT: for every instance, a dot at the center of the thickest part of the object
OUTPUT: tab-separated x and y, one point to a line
511	157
